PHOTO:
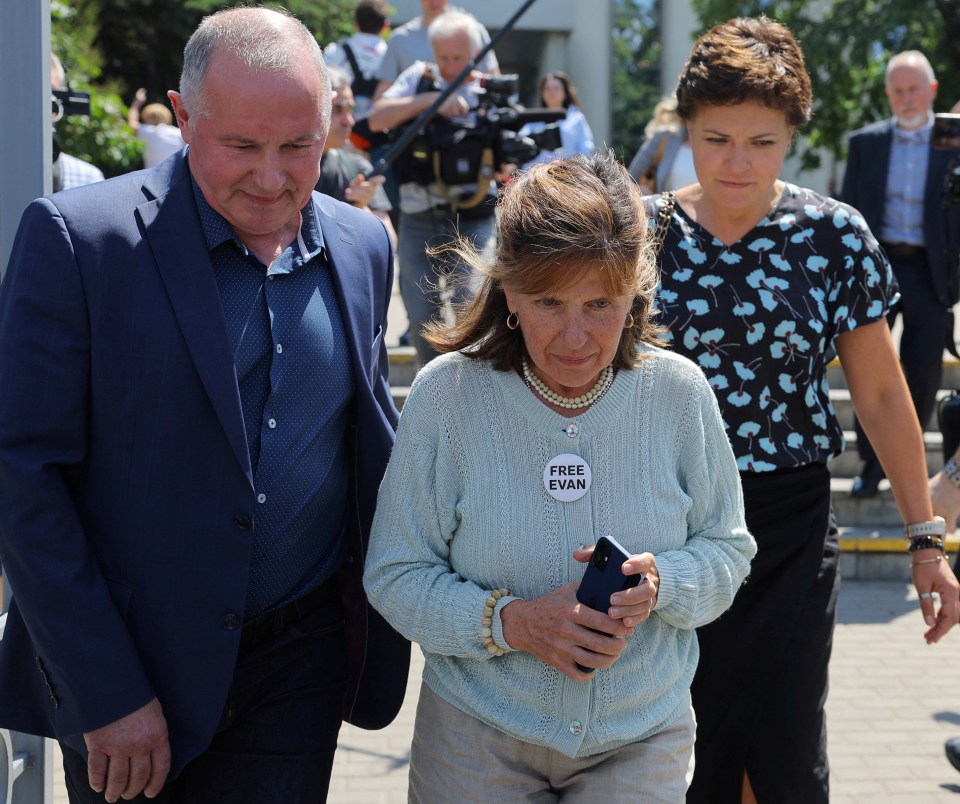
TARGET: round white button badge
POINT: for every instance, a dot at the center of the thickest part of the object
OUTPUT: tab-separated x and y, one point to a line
567	477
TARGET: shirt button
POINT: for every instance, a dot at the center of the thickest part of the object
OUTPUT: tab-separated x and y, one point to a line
261	498
242	521
230	621
271	423
279	348
576	727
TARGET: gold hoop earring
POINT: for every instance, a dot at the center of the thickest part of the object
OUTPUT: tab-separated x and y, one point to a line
513	321
628	324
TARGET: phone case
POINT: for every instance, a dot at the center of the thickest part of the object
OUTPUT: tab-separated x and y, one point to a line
604	576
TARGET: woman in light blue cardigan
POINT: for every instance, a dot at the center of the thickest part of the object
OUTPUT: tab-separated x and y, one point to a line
554	419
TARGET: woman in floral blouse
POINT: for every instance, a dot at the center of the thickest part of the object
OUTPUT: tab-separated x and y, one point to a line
761	282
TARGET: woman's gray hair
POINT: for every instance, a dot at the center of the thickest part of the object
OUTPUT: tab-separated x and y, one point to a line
453	22
262	39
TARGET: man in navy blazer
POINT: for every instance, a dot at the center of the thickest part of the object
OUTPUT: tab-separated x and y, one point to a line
194	422
895	178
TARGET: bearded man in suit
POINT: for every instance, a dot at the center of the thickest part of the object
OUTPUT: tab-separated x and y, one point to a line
895	178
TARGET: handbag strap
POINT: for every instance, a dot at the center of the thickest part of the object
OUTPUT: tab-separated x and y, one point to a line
664	215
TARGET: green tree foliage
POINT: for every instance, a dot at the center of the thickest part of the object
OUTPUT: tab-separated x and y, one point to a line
847	44
636	71
112	47
103	138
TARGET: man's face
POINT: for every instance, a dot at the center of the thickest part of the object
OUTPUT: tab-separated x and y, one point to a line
256	155
453	54
433	8
341	121
911	93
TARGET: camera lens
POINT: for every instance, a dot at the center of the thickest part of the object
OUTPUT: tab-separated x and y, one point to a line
601	555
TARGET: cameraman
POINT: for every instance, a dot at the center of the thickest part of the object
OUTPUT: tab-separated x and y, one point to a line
427	216
68	171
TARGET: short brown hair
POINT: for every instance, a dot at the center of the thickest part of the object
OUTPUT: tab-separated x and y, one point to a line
747	59
556	221
372	15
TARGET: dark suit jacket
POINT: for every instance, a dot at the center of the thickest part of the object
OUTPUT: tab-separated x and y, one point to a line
126	492
865	187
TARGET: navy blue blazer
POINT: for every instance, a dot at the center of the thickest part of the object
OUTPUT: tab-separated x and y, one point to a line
126	492
865	187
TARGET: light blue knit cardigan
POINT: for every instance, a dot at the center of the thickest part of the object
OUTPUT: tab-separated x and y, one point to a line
463	510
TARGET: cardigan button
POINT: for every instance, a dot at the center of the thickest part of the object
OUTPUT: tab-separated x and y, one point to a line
576	727
242	521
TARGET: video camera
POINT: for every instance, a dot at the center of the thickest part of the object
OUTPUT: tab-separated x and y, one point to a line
454	153
505	118
67	102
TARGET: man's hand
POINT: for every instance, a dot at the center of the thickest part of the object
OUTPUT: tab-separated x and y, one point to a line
454	106
130	755
360	191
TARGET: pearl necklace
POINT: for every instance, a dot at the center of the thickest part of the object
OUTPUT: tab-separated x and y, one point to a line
604	381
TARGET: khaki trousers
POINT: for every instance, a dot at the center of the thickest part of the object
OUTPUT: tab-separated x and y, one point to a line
457	758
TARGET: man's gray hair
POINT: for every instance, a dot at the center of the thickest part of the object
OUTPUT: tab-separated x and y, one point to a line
914	58
339	80
453	22
264	40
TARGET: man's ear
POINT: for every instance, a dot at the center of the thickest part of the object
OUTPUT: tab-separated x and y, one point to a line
181	114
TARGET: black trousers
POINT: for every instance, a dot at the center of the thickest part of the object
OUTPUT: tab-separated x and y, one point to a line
922	341
761	684
278	731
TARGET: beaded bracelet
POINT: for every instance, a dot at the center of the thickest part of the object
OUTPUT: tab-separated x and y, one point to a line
932	527
487	622
952	471
925	543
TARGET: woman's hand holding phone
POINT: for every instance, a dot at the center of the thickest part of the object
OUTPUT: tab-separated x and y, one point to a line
559	630
562	630
623	586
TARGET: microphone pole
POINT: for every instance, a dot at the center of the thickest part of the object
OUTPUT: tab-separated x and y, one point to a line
428	114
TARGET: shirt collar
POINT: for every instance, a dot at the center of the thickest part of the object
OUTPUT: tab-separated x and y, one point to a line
919	135
216	229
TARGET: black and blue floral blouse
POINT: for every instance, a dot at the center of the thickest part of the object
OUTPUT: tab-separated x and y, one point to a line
760	317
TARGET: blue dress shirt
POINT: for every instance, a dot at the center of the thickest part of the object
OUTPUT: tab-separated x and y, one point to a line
906	185
296	388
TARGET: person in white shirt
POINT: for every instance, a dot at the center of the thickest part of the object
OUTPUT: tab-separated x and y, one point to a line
432	211
409	43
364	50
154	126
